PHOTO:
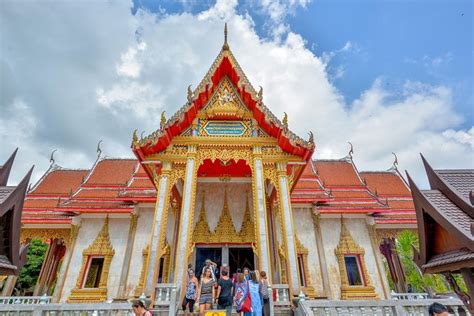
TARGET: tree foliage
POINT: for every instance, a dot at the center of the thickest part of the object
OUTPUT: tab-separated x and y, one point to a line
30	271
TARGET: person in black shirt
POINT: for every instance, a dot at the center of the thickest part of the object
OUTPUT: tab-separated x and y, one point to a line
225	292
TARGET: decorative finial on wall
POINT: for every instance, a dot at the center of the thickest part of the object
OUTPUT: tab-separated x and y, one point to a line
225	46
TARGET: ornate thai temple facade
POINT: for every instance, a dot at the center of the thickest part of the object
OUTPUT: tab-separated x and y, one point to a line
224	179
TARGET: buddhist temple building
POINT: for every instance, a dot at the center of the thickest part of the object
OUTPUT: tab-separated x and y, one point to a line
445	216
224	179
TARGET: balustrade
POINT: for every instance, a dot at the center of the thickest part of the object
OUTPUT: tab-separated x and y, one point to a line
398	307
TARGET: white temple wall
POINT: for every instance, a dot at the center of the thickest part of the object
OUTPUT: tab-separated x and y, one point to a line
331	230
142	239
90	228
214	201
304	229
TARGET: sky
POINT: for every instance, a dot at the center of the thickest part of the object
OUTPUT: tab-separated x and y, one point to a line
388	76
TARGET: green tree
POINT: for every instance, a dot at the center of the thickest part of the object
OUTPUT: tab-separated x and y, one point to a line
30	271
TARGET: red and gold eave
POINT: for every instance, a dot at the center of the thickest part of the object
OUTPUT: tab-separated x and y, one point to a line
225	68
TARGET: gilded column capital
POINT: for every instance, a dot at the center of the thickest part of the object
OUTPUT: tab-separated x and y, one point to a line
192	151
281	168
257	151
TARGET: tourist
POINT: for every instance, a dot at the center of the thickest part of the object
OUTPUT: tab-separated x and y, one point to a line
247	273
255	295
240	293
437	309
139	309
191	292
224	292
212	266
264	291
206	292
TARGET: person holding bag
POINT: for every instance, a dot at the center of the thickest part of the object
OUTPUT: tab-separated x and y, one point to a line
243	302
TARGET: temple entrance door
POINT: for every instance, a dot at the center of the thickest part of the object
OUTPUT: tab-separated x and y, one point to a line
240	258
213	253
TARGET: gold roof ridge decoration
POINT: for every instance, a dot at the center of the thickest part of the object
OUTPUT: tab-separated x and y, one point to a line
153	138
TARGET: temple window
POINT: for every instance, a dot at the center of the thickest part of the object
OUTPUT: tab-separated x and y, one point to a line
355	282
353	270
94	272
91	284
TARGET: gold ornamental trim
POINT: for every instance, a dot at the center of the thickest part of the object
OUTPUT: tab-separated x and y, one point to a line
225	231
46	234
100	247
348	246
302	251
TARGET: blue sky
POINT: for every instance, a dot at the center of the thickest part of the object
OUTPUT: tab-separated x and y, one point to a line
417	40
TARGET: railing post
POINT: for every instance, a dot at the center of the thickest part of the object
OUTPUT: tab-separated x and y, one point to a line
270	298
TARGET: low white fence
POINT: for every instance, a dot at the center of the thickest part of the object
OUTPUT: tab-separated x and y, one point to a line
25	300
167	296
417	307
409	296
281	295
102	309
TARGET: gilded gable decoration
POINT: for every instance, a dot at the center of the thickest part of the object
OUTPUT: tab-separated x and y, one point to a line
347	247
101	247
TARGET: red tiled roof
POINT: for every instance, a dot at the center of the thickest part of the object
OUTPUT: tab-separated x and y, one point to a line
142	183
40	203
60	182
401	204
337	173
96	193
112	172
385	183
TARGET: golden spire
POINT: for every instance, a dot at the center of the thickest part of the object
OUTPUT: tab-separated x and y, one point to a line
225	46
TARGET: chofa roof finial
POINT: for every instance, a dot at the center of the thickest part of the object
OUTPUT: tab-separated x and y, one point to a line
51	159
351	151
395	161
225	46
99	150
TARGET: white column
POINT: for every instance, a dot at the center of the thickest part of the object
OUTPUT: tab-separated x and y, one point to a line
158	226
285	208
75	225
260	208
128	256
186	218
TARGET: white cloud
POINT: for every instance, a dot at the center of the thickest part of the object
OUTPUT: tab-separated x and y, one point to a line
83	85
